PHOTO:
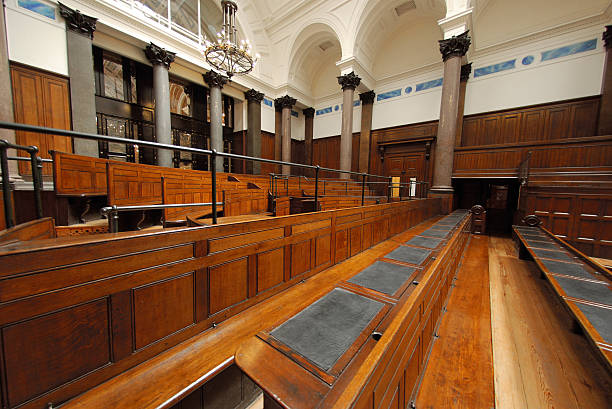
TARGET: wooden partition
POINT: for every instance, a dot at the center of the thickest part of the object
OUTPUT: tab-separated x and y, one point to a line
75	312
581	217
380	368
576	155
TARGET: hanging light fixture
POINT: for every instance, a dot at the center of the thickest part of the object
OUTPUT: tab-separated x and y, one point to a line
225	54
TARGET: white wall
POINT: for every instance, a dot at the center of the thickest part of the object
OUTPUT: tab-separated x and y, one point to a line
36	40
267	118
298	125
572	76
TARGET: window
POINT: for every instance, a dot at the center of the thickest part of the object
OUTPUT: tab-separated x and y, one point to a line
113	77
180	101
413	186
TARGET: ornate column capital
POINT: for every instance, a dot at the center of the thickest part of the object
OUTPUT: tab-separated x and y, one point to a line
349	81
77	21
159	56
466	70
309	112
455	46
214	79
367	97
607	37
253	95
285	102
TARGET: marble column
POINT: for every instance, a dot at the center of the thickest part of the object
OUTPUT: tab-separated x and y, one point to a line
605	107
161	60
6	96
466	70
348	83
79	35
215	83
452	49
308	134
367	103
286	103
278	133
253	142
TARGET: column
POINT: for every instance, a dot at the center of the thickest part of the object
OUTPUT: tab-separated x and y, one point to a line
215	83
348	83
253	142
452	49
367	103
286	104
6	97
79	35
278	133
308	134
161	60
466	70
605	107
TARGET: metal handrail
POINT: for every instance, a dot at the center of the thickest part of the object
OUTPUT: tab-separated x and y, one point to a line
24	159
212	153
36	164
112	212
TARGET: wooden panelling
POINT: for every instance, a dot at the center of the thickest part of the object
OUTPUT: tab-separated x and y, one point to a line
228	284
47	351
271	265
42	99
300	258
154	291
561	161
570	119
584	220
162	308
76	175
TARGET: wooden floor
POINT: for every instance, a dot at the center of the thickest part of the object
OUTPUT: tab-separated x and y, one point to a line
534	360
460	370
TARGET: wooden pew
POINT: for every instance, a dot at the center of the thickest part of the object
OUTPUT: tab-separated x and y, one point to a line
383	359
76	312
583	285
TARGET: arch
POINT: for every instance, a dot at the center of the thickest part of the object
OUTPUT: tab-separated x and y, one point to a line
301	66
367	28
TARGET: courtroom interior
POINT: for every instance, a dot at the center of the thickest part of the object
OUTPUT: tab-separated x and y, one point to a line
300	204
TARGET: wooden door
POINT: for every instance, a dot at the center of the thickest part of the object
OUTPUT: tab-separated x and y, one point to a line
407	167
41	99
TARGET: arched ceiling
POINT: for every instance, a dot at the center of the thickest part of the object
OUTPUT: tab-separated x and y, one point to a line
316	50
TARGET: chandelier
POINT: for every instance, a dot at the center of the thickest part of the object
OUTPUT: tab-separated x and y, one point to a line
225	54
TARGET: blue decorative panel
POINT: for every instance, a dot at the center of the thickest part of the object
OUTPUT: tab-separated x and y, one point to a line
38	7
429	84
569	50
337	107
492	69
389	94
295	114
356	103
268	102
528	60
408	90
324	111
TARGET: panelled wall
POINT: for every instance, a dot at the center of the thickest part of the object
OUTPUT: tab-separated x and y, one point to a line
41	99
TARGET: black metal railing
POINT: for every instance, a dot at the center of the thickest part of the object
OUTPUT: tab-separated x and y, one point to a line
112	212
213	154
36	165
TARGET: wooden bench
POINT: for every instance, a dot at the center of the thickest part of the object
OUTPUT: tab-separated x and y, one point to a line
583	285
75	312
365	343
